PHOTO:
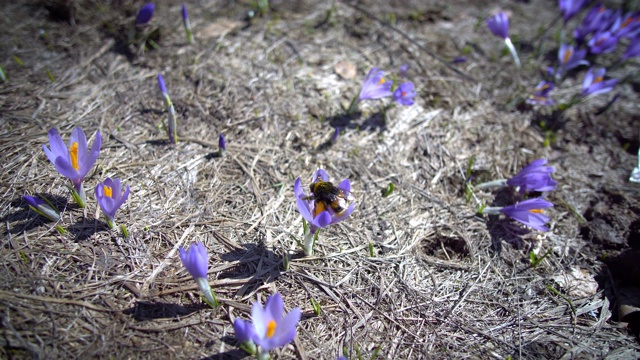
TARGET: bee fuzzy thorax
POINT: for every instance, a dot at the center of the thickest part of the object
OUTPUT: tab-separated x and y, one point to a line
328	196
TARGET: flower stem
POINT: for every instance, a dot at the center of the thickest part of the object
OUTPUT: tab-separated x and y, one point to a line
78	195
353	106
492	210
513	52
309	240
207	294
491	184
261	355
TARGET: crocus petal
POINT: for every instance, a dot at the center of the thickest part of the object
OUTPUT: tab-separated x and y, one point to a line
323	219
274	306
195	260
345	185
33	201
320	174
260	320
302	205
145	14
58	147
67	170
286	328
499	25
244	330
88	161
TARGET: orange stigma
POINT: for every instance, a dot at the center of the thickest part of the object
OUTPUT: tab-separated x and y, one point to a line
271	328
536	211
382	80
404	93
597	80
567	56
73	152
108	191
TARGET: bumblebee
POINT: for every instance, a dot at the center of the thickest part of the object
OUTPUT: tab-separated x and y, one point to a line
326	195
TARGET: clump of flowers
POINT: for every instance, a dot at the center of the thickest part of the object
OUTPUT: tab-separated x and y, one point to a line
535	177
111	196
171	124
325	205
499	26
196	261
75	161
270	327
376	86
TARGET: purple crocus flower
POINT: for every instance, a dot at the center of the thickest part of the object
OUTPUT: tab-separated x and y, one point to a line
534	177
404	94
307	205
633	50
196	261
570	58
540	94
602	43
162	86
529	212
187	24
403	70
271	328
375	86
73	162
499	25
594	82
222	143
569	8
145	14
42	207
171	124
110	198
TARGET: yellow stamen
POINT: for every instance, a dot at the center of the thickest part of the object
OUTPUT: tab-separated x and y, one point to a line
73	152
271	328
536	211
381	81
597	80
567	56
108	191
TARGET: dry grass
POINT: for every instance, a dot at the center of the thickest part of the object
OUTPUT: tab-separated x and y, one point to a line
436	287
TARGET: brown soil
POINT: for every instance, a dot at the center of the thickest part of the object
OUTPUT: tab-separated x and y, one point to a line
443	282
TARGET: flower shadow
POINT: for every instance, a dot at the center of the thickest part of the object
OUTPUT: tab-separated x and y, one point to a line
145	310
230	354
502	228
256	264
375	121
25	218
83	230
